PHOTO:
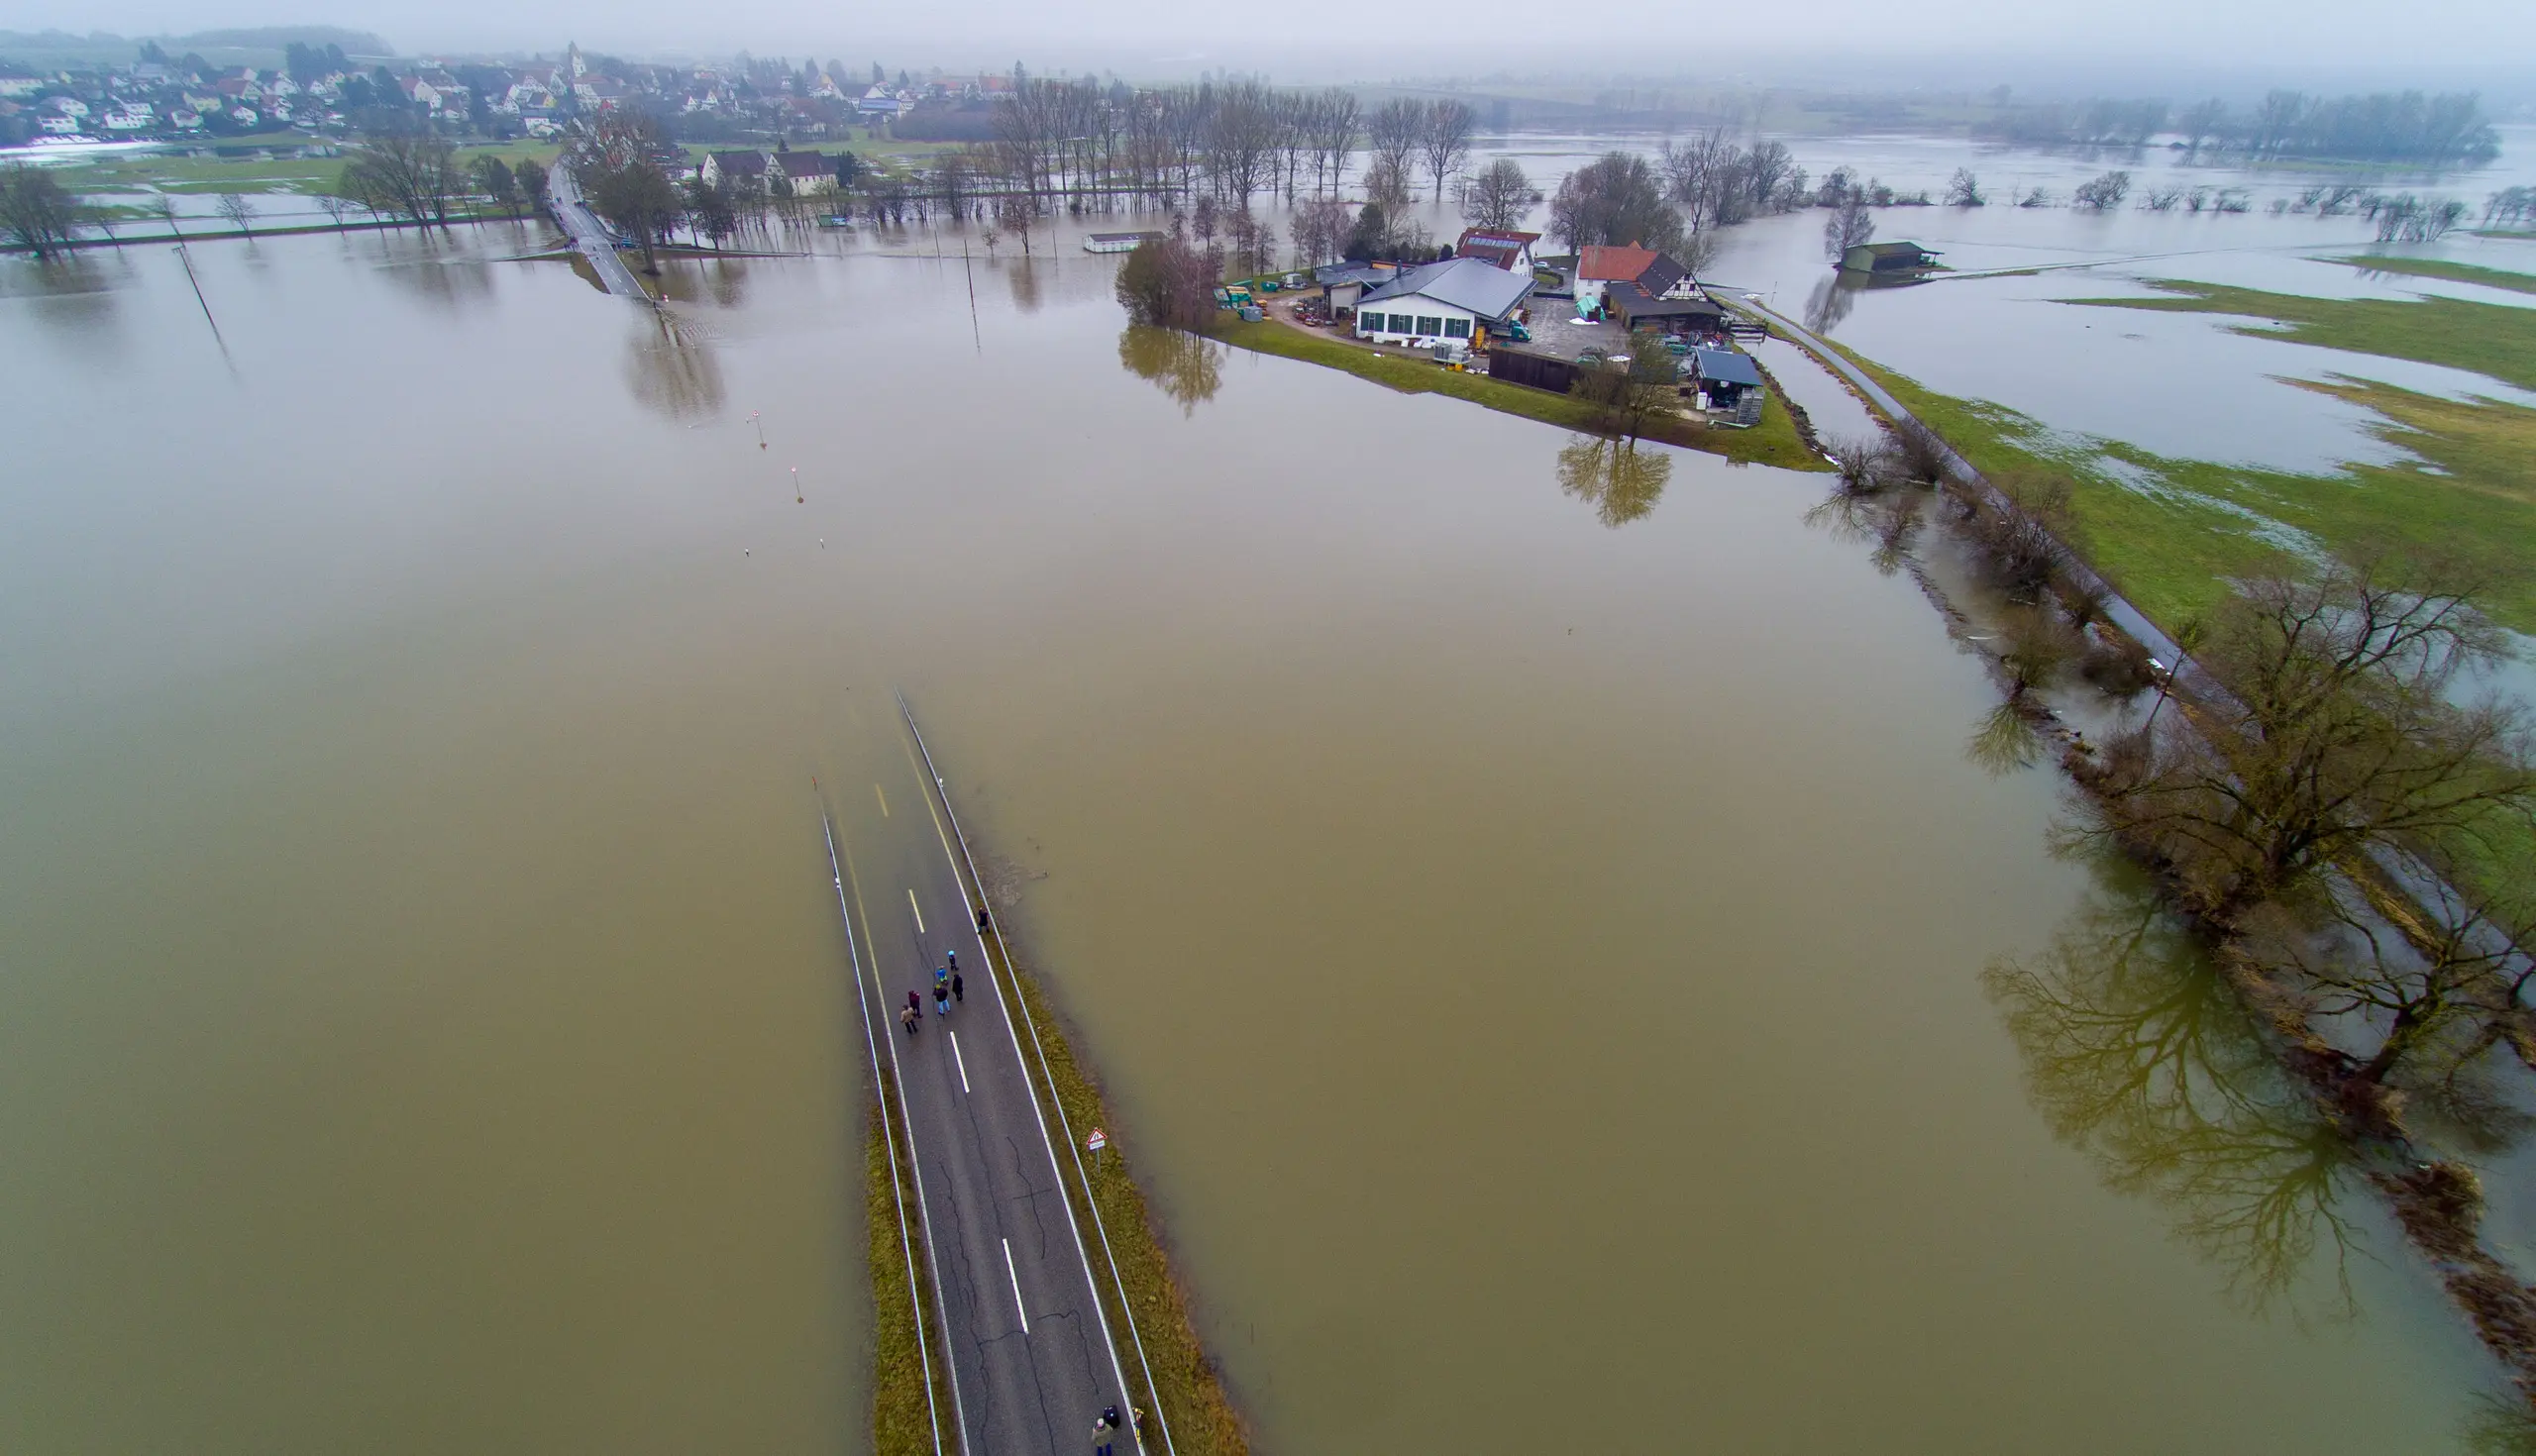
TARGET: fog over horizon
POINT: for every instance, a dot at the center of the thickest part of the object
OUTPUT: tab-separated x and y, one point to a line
2177	45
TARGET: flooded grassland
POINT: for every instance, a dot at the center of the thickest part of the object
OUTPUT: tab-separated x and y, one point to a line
1530	909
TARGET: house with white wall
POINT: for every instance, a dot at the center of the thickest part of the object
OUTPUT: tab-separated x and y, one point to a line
1459	299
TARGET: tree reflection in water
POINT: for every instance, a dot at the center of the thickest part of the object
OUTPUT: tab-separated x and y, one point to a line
1830	303
672	369
2138	1052
1023	274
1187	366
1886	514
1620	481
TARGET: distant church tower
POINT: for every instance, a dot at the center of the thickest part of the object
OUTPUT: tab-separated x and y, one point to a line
574	65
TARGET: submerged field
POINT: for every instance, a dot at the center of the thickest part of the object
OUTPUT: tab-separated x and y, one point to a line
2171	531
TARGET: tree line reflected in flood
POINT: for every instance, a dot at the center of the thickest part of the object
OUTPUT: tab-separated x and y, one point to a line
2139	1054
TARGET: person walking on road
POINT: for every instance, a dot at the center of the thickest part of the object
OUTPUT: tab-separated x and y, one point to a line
1101	1444
909	1019
914	1005
957	994
941	999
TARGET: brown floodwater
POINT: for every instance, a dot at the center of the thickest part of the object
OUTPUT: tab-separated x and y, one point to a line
1530	909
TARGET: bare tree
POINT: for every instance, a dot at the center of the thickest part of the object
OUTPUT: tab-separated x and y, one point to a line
1016	213
1698	173
234	207
334	207
1963	189
2341	736
1321	229
1167	283
1501	196
1848	226
2102	192
1338	118
1395	134
2200	122
1241	141
36	212
408	174
1617	199
1446	138
1387	183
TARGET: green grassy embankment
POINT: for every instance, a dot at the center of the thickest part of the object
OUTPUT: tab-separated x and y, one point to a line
2168	532
2494	338
1774	442
2440	267
901	1423
1184	1380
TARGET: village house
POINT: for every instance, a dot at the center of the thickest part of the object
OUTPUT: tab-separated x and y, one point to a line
1510	251
1458	299
1599	267
721	166
809	174
1666	298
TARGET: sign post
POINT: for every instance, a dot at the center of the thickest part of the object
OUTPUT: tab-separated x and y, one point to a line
1094	1143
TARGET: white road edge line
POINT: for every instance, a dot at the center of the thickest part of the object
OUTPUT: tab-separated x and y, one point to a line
919	912
1011	1274
986	968
962	1062
915	1305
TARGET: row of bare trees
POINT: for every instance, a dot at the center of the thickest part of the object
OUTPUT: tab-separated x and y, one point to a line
1232	142
2327	809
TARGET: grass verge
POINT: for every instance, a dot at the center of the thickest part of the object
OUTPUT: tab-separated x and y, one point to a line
2440	267
901	1423
1187	1386
1774	442
2494	338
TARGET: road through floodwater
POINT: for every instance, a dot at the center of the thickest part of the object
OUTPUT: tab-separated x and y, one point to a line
1537	963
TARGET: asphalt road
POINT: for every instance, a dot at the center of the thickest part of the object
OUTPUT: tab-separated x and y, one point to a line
1031	1356
590	237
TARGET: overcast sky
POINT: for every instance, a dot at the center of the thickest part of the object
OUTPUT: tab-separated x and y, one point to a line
1325	38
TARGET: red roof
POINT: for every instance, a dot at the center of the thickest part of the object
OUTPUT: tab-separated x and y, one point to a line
1614	265
1495	244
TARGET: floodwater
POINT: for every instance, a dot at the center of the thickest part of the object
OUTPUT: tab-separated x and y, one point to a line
2178	384
1530	909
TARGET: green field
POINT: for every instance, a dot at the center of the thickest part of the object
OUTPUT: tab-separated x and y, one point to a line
2169	533
1774	442
2440	267
2494	338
